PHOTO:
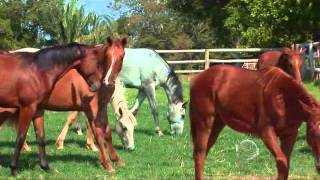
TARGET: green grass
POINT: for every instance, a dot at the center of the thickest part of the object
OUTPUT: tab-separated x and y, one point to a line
155	157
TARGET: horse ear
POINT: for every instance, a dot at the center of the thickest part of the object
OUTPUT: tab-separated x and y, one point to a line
184	105
305	107
124	41
302	50
286	51
109	40
120	112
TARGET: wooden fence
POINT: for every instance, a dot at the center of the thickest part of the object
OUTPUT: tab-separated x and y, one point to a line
206	61
311	58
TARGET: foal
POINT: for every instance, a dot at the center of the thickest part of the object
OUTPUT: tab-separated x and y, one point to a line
124	126
267	103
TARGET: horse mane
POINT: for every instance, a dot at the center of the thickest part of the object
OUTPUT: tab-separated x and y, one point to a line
289	85
172	81
175	84
47	58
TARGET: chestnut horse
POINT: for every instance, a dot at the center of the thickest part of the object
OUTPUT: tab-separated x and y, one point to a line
266	103
28	79
288	60
125	119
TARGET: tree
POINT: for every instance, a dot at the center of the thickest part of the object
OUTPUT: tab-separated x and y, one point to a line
151	24
272	23
27	22
255	23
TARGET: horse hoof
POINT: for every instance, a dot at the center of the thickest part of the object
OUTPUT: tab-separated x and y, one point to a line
14	171
47	169
79	132
109	168
27	149
60	147
59	144
159	133
92	147
120	163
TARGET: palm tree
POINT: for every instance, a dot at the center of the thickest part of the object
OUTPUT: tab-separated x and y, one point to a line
74	22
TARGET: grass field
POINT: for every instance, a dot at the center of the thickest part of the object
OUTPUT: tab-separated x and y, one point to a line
155	157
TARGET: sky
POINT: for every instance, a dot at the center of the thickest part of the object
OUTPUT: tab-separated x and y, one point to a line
100	7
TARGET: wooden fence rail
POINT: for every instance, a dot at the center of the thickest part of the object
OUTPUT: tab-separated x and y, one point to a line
206	61
311	55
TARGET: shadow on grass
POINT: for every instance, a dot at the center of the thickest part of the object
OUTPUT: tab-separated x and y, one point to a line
80	143
151	132
302	138
305	150
30	160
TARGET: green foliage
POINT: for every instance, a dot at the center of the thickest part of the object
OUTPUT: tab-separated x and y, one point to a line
28	22
253	23
151	24
34	23
270	23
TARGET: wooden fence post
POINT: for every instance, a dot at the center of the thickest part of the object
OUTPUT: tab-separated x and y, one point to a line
206	59
311	60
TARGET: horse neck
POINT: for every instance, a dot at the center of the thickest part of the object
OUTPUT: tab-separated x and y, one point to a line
52	75
173	89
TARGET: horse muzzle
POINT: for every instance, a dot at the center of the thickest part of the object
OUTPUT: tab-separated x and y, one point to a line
176	128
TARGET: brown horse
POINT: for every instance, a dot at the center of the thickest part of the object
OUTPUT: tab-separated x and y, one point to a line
288	60
266	103
125	120
27	80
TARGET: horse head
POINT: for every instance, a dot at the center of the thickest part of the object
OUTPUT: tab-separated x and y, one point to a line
291	62
313	132
176	117
125	128
114	53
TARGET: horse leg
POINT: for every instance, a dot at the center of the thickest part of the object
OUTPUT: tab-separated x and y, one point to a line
90	141
218	125
151	95
70	120
139	99
39	131
269	138
287	143
25	116
204	131
98	128
15	123
200	138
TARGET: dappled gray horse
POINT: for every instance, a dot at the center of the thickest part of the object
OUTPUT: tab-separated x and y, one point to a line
145	70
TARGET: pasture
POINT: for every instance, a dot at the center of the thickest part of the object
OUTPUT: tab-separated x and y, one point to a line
165	157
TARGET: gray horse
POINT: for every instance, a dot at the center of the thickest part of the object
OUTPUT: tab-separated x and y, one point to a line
145	70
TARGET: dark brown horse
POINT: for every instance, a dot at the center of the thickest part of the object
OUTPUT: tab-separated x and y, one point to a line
27	80
266	103
288	60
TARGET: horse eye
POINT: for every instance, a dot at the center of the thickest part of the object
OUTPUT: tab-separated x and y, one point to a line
124	128
182	116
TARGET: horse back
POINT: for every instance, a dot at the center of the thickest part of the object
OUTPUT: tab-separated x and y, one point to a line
233	93
69	93
269	58
248	100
